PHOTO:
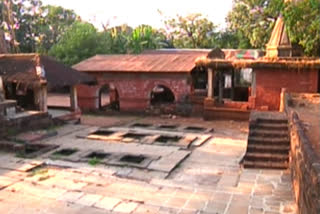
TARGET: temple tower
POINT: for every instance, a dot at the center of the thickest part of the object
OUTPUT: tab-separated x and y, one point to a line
279	44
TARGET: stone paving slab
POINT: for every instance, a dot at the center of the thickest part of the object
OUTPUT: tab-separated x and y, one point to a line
208	180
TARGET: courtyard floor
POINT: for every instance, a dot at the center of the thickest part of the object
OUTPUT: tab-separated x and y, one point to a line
187	176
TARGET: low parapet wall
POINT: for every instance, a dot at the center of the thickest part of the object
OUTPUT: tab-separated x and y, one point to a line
304	165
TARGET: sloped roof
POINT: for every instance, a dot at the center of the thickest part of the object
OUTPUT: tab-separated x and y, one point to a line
148	62
283	63
22	68
163	60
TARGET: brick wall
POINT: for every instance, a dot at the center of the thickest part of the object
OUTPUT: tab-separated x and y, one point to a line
134	89
88	97
305	168
269	83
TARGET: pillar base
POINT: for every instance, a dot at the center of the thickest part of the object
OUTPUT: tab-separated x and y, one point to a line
209	102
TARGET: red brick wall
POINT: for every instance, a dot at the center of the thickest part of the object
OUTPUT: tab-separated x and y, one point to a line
269	84
134	89
88	97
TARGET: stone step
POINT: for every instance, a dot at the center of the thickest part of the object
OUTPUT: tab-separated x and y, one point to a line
270	126
282	149
268	133
262	156
268	140
265	164
273	121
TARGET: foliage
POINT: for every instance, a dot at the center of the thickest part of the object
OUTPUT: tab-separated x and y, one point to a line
303	24
192	31
230	39
119	38
52	26
79	42
31	27
94	161
254	20
145	37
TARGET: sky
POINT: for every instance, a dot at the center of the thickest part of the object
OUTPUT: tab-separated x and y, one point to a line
136	12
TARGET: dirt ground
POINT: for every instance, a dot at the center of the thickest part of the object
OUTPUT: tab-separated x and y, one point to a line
308	109
58	99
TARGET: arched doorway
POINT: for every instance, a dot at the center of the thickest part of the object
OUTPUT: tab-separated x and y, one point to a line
161	95
109	98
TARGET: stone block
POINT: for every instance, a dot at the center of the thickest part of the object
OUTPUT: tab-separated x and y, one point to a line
107	203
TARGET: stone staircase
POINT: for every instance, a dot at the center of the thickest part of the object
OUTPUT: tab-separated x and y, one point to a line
268	143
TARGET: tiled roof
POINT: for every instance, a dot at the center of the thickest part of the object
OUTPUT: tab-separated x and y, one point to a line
22	68
163	60
148	62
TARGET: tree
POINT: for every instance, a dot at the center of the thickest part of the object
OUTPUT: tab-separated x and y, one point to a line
192	31
145	37
119	38
303	25
28	26
52	25
254	19
230	39
80	42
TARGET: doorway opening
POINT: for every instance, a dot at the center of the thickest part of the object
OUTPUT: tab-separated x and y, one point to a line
161	95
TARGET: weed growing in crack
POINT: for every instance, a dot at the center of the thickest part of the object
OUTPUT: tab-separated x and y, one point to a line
94	161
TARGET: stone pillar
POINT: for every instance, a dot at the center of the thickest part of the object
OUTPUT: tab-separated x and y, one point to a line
1	90
73	98
43	98
221	86
232	84
210	84
209	100
282	100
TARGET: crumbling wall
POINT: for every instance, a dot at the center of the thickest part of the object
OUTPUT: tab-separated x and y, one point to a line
305	169
270	81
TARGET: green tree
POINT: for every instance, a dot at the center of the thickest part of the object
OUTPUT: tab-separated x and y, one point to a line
303	25
230	39
80	42
30	27
253	20
145	37
119	38
52	25
192	31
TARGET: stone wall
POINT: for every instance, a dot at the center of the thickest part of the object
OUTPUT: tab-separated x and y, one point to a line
305	168
40	120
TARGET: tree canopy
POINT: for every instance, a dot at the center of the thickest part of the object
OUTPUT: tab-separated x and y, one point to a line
253	20
79	42
303	24
192	31
30	26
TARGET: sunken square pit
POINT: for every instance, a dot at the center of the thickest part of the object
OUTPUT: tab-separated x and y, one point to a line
65	152
141	125
33	150
195	129
168	139
103	132
98	155
135	159
136	136
168	126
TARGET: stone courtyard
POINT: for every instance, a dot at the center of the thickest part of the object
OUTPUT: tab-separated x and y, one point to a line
141	169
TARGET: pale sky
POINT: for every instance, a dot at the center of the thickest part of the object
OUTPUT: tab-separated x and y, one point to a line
136	12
